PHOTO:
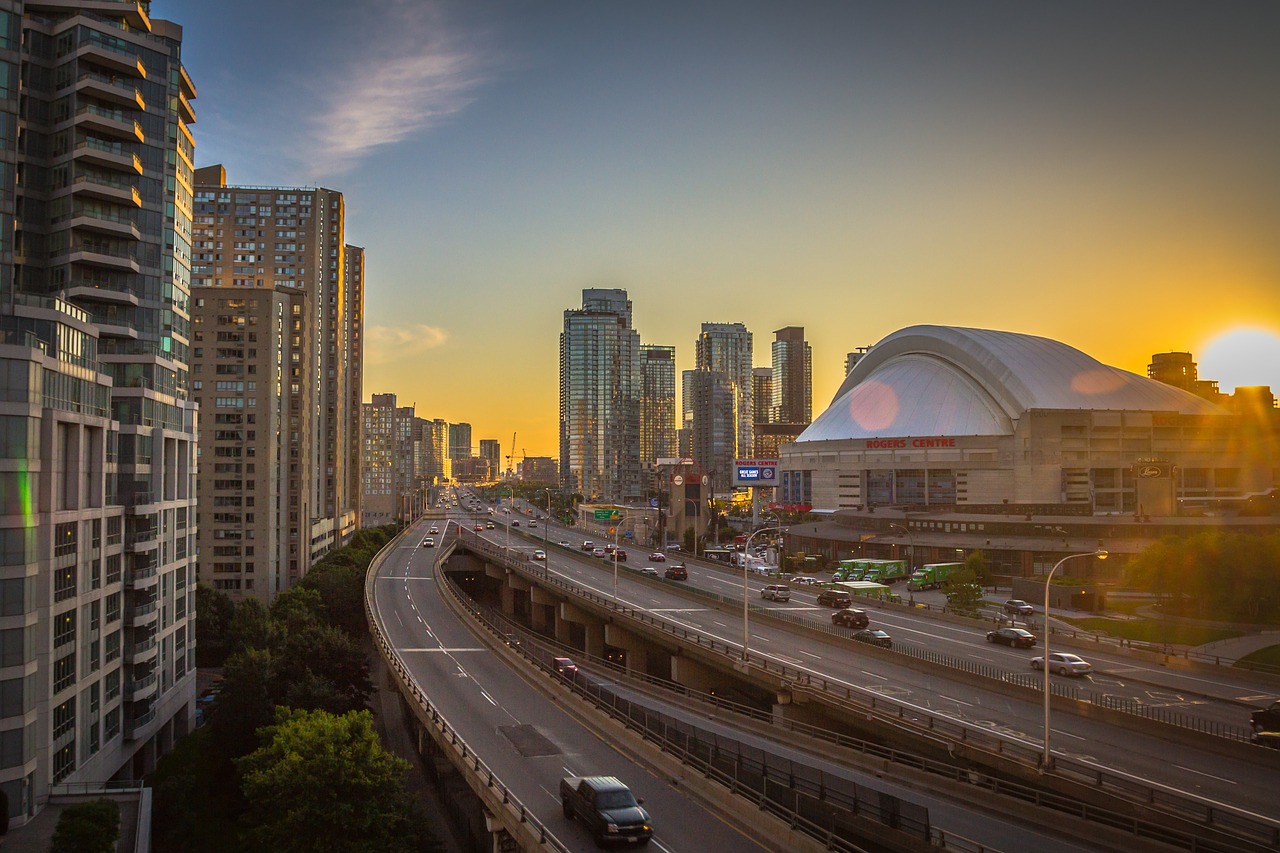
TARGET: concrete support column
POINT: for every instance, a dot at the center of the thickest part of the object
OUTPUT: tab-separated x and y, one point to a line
633	647
508	591
694	675
541	613
595	639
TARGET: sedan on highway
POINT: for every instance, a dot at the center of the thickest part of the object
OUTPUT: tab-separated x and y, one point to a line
874	637
650	571
1064	663
539	554
850	618
428	542
479	528
1016	637
599	552
657	557
833	598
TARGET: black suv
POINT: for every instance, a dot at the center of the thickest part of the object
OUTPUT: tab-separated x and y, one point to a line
850	618
676	573
831	598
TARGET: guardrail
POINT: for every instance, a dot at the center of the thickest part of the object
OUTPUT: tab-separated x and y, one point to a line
1209	814
498	798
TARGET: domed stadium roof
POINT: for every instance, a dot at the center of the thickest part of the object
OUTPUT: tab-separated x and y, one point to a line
948	381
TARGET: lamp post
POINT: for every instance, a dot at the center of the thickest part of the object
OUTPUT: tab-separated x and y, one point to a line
1101	554
911	552
746	589
616	524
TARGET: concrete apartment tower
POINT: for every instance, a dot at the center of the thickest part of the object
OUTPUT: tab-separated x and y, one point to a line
600	390
657	403
291	380
389	490
97	428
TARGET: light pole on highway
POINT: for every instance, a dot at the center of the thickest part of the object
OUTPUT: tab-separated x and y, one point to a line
1101	554
746	588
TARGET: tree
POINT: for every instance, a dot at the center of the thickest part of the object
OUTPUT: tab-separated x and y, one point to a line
87	828
977	563
322	782
214	612
322	667
963	592
341	586
247	701
251	627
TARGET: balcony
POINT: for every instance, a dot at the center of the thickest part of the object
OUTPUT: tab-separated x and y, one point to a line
104	223
110	155
96	187
134	726
110	88
146	650
144	688
142	616
101	253
98	293
112	58
114	123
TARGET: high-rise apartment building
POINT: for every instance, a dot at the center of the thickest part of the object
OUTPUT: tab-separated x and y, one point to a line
97	491
353	274
249	242
435	466
389	489
726	348
600	389
713	436
792	377
1179	370
761	395
460	441
491	449
657	403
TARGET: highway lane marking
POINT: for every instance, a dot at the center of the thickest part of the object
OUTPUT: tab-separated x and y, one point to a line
721	624
443	649
810	654
490	698
398	619
874	675
1068	734
678	610
764	640
1201	773
957	701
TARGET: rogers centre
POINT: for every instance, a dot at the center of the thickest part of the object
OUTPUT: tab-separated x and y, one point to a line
948	440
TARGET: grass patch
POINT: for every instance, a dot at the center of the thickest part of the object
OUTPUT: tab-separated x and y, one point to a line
1268	657
1154	631
1127	606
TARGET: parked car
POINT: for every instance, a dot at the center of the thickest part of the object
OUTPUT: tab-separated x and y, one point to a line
776	592
833	598
1266	719
1016	637
676	572
1018	607
1064	663
874	637
658	557
539	554
849	618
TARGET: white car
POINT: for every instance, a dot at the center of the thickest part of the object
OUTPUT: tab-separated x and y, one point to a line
434	529
1064	663
539	554
803	580
650	571
428	542
564	543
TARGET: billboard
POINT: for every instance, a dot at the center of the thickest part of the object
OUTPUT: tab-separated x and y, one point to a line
761	473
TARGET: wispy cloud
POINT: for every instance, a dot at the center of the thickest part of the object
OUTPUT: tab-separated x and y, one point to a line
384	344
416	72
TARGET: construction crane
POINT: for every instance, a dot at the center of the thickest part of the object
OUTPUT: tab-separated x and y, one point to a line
511	457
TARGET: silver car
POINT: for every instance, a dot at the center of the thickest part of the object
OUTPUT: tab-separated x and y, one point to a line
1064	663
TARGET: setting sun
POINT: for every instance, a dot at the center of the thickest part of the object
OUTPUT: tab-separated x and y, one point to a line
1242	356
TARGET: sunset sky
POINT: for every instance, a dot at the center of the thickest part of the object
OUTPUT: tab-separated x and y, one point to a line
1102	173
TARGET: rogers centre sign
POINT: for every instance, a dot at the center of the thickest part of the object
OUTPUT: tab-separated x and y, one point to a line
897	443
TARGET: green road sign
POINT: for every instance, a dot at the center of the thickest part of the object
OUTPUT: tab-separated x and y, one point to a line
607	515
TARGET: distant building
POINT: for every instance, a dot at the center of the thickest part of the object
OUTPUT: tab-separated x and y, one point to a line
792	377
389	490
460	441
1178	369
727	348
761	395
491	449
714	399
432	451
538	469
657	403
600	388
851	359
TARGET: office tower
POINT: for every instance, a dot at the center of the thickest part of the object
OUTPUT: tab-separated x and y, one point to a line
726	348
97	496
249	429
250	241
460	441
600	398
491	449
388	488
792	377
713	439
657	403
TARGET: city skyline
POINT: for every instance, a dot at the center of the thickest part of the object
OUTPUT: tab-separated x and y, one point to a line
1098	175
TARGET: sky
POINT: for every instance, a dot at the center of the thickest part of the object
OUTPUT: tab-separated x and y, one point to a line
1104	174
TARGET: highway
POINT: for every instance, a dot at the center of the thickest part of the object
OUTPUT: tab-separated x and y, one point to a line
522	733
1200	770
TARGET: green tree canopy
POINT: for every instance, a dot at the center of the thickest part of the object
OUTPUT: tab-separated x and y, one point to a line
322	782
1213	575
962	590
214	612
87	828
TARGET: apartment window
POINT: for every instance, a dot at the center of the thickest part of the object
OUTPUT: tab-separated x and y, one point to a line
64	583
12	702
112	684
64	761
64	673
64	628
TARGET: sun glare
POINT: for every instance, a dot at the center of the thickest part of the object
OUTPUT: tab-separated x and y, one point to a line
1248	356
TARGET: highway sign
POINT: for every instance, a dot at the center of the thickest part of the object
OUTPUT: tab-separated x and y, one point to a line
606	515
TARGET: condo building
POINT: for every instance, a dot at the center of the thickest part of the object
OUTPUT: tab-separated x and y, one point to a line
388	491
251	243
657	403
97	427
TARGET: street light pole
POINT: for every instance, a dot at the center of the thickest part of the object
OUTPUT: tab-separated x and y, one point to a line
1101	554
746	589
616	525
